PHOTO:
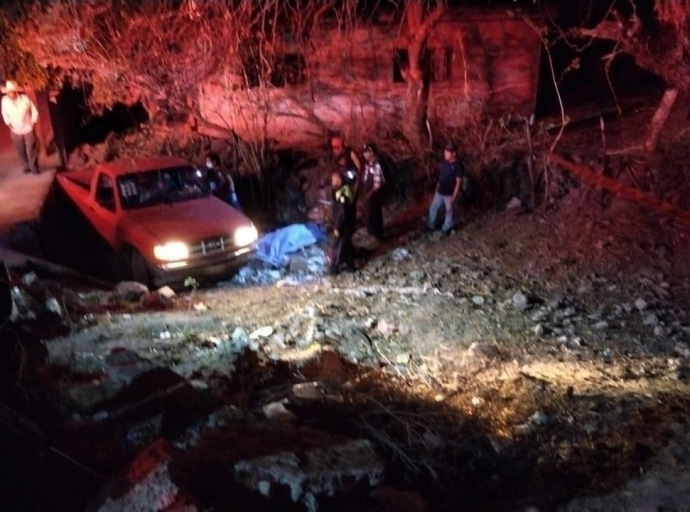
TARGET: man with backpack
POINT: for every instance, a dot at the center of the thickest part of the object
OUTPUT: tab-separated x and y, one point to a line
448	189
373	183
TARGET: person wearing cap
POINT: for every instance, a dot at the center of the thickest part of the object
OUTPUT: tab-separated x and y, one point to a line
373	191
447	190
20	115
342	250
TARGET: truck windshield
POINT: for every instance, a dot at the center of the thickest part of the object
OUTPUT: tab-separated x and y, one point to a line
152	188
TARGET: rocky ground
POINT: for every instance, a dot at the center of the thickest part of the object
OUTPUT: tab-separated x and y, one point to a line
526	362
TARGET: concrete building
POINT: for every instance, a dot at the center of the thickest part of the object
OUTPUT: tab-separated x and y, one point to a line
354	81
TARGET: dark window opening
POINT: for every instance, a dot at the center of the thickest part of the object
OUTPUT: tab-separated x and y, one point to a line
401	61
440	59
105	193
289	69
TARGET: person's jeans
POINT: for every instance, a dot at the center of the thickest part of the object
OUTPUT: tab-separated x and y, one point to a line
436	204
342	253
375	215
27	150
233	201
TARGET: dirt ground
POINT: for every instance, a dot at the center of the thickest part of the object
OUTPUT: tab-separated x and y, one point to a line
528	361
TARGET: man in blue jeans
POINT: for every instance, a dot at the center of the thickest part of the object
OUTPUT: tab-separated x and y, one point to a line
447	190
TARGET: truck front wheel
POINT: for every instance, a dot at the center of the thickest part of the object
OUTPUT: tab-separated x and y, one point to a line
140	270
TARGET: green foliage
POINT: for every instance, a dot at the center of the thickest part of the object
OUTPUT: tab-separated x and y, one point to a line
191	282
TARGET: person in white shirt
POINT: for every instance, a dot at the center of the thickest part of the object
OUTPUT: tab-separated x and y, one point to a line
373	192
21	115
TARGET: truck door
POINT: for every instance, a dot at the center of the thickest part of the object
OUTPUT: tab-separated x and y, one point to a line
103	213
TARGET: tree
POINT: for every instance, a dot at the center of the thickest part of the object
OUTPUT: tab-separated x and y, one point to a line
660	45
159	52
417	96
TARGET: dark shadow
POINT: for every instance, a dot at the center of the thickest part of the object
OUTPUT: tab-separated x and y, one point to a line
67	238
74	125
432	449
119	119
587	87
278	189
471	469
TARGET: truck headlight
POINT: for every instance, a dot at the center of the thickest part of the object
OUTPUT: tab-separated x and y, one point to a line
245	235
172	251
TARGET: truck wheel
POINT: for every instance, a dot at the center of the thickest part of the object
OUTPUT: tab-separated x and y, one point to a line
139	268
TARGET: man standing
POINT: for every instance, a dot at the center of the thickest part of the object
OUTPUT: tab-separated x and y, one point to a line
447	190
214	178
373	192
346	160
342	252
220	182
21	115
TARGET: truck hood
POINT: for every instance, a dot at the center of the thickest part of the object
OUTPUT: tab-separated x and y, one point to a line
186	221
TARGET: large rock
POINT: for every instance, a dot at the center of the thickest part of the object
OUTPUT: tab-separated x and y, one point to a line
164	298
520	301
131	291
117	370
316	473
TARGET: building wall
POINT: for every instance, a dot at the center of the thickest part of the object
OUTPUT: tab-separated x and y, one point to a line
494	63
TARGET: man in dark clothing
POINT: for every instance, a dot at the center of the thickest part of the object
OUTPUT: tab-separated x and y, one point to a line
214	178
447	190
373	192
339	149
342	252
220	181
346	161
348	171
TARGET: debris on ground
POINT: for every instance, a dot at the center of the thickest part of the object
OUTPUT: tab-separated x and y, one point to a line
439	361
299	267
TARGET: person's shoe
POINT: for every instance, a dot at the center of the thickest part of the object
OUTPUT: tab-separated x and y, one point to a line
27	171
36	172
448	232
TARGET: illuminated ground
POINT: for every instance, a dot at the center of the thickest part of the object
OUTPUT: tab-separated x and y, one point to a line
526	360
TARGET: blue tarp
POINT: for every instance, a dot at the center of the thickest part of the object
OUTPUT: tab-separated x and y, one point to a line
275	247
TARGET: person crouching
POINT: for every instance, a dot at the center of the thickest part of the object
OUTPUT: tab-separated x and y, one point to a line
344	217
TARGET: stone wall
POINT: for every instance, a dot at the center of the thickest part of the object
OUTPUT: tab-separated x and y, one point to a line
493	61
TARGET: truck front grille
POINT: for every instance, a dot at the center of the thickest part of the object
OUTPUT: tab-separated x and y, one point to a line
210	246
